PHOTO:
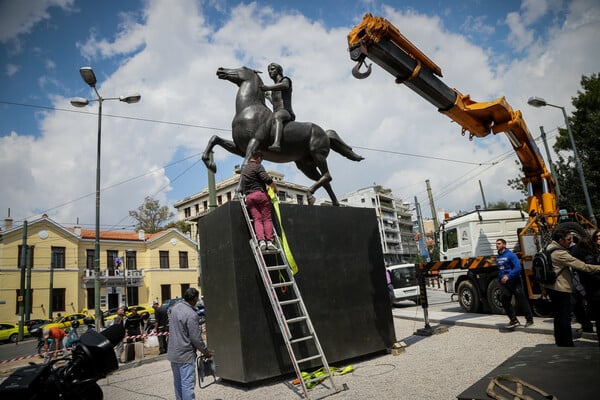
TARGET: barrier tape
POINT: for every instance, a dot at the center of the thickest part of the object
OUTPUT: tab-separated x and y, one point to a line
48	353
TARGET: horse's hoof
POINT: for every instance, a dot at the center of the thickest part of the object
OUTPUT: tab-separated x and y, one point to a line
275	149
311	199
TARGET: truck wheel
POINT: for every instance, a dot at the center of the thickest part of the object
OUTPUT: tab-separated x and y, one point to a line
493	297
468	297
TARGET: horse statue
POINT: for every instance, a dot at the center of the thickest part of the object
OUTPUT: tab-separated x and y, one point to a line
304	143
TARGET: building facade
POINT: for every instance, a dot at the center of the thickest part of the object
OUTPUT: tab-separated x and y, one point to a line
135	268
197	205
394	219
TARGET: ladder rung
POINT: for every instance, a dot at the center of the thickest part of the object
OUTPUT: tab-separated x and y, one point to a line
277	267
309	358
297	319
286	302
302	339
283	284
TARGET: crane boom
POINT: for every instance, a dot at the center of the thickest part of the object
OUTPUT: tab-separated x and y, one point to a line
380	41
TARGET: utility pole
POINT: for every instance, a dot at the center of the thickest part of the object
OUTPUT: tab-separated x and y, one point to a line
423	249
28	285
22	266
482	195
552	170
52	260
436	224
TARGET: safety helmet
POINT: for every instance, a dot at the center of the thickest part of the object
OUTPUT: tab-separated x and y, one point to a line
75	324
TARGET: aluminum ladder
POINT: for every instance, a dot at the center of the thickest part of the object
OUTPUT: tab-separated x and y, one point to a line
277	277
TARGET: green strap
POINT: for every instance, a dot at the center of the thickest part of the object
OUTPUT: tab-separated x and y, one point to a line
286	248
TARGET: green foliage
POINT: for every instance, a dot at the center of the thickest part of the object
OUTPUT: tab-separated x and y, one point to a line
151	216
585	126
182	226
517	183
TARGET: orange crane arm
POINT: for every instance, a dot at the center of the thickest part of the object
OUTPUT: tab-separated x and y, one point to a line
380	41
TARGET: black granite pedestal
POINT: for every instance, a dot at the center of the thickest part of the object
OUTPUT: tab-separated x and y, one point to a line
341	278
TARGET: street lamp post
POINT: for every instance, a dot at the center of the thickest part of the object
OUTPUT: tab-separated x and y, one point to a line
87	73
539	102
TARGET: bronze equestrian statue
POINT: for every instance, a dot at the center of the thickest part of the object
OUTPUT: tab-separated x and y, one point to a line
304	143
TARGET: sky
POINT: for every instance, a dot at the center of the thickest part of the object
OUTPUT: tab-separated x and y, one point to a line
169	51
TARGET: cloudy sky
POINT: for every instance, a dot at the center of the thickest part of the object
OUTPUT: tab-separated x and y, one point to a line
169	51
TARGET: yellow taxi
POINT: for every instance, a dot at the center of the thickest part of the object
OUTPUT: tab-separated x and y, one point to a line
10	332
65	321
141	310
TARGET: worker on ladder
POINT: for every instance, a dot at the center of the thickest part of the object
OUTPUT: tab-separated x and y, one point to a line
254	187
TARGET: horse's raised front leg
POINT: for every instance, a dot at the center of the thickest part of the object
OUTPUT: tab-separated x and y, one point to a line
215	140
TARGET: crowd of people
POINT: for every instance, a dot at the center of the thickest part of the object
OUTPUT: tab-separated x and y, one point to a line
576	290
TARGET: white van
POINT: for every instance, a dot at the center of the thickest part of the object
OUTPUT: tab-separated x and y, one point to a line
404	280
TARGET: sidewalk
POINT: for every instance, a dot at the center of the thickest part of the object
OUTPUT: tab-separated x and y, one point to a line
453	317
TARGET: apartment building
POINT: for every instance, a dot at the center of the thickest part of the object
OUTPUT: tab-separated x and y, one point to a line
395	222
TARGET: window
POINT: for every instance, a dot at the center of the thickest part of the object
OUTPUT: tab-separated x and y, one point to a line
299	199
89	259
219	199
17	302
111	261
90	298
228	196
58	257
450	239
58	299
183	259
164	259
165	292
184	287
282	195
205	205
187	212
197	208
131	260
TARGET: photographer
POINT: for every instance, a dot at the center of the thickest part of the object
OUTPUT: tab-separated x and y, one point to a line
185	340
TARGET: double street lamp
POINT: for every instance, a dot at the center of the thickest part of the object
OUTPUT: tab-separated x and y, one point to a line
87	73
539	102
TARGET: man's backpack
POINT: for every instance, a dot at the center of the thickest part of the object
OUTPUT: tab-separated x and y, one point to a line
542	267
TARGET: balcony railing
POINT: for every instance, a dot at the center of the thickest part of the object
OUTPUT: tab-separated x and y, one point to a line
129	277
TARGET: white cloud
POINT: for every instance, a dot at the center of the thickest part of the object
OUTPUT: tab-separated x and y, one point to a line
11	69
171	57
18	17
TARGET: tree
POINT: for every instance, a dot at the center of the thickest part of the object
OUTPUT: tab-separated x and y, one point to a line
180	225
150	216
585	126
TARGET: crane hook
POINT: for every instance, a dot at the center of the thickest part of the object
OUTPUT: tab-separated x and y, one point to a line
356	70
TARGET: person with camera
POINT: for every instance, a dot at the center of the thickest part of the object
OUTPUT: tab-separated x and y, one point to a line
185	338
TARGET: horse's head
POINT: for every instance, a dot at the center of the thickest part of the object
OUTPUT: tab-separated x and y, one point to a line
239	75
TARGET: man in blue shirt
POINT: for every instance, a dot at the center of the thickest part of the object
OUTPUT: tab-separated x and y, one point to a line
509	276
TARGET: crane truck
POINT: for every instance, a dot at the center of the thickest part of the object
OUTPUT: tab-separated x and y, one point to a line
381	42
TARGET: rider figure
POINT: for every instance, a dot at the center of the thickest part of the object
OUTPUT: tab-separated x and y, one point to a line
281	98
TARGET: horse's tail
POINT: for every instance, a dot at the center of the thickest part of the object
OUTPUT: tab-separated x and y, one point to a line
338	145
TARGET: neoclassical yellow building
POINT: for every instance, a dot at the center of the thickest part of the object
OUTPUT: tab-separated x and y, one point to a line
135	268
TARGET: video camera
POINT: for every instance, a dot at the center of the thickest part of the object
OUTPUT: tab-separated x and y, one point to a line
71	377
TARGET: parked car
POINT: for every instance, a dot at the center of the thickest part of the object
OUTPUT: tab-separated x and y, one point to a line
149	311
9	332
35	323
404	280
62	322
